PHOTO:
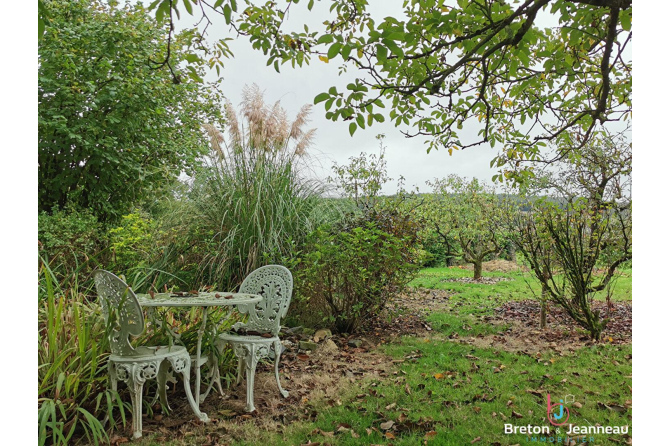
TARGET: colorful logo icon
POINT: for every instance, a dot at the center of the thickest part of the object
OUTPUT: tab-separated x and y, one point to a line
557	413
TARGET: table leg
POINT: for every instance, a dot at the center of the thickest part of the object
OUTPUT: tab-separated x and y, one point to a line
201	331
214	377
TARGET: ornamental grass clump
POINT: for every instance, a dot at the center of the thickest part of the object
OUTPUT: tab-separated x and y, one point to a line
254	195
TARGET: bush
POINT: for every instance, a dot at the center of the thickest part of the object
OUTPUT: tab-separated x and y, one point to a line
349	271
68	239
134	242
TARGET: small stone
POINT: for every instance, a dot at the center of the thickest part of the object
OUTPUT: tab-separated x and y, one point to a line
355	343
307	345
328	346
322	334
308	331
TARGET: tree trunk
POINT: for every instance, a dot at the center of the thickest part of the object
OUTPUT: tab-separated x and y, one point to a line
511	252
478	269
543	311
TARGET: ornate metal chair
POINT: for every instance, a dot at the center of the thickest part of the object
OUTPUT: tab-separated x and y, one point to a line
258	338
135	365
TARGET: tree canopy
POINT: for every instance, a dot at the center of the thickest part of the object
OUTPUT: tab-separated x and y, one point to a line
523	72
111	127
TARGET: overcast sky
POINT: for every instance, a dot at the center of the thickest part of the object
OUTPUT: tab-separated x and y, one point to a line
299	86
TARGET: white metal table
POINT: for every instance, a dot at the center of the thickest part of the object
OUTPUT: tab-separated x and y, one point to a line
204	300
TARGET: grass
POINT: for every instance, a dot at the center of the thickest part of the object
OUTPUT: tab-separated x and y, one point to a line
521	286
450	393
461	393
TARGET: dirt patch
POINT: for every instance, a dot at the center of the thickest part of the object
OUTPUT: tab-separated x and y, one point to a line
505	266
309	377
519	322
481	280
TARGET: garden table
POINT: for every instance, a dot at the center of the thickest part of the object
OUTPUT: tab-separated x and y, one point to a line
205	301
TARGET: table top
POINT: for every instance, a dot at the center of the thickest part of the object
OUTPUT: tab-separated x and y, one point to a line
209	299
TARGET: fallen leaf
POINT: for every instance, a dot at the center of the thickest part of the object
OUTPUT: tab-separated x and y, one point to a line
390	406
577	405
390	436
516	415
430	435
388	425
476	440
438	376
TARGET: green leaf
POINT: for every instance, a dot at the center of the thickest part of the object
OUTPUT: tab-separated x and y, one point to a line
226	13
360	119
346	50
395	49
191	58
626	18
382	53
321	97
352	128
326	38
188	6
334	50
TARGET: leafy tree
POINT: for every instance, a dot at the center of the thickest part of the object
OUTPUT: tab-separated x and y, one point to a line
363	178
575	243
470	213
525	72
112	129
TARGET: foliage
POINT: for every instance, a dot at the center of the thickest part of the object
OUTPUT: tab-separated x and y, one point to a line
591	228
134	242
112	128
443	66
68	239
72	372
362	179
254	196
469	213
349	272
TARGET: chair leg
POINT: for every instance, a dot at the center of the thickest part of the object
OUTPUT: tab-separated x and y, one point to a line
250	365
277	349
135	387
113	379
240	366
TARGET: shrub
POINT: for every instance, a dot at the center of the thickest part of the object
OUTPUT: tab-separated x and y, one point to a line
582	225
349	272
68	239
134	242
